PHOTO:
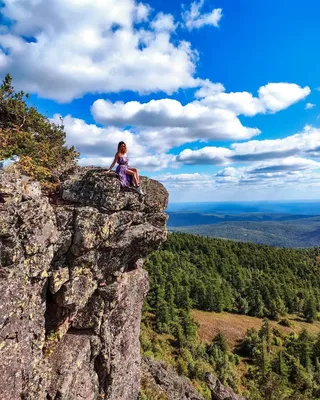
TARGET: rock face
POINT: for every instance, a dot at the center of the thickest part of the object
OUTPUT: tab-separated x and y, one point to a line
165	383
219	391
72	285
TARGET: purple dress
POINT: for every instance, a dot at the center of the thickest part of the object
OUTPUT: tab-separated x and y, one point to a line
125	179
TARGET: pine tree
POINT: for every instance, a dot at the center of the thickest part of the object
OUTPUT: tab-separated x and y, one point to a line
280	366
304	355
265	334
310	310
24	132
262	358
220	342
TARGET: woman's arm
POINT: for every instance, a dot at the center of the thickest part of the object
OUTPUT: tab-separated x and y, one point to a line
113	162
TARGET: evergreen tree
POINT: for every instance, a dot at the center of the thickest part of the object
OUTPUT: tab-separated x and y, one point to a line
24	132
310	310
280	366
220	342
262	358
304	350
265	334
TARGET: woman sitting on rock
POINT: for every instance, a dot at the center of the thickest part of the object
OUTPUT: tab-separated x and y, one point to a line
128	176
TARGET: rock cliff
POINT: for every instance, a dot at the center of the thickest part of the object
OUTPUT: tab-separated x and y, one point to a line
72	285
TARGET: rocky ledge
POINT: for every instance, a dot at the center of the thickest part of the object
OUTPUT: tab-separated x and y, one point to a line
72	285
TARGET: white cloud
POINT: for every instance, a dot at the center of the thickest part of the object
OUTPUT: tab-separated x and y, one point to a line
206	155
273	97
93	141
193	18
155	162
167	123
301	172
285	165
309	106
289	171
302	143
95	161
305	143
79	47
208	88
185	181
278	96
240	103
99	145
163	22
142	12
146	163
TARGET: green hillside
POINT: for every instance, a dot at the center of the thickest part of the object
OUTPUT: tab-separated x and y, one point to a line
194	272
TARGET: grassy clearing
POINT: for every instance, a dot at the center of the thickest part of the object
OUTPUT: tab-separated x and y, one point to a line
234	326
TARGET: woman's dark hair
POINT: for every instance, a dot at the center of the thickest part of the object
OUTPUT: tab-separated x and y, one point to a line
119	145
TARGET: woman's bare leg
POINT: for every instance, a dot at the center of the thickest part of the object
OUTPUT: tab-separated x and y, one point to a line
135	171
130	172
137	174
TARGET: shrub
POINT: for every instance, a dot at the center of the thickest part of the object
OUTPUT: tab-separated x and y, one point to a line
285	322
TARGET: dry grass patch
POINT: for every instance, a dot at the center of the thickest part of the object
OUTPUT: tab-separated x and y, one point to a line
234	326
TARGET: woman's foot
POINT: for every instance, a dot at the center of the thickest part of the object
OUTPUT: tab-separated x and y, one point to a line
139	190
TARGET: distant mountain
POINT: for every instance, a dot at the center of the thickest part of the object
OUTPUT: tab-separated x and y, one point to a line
304	207
272	229
193	218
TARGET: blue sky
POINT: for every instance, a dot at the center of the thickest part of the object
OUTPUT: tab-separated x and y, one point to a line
219	100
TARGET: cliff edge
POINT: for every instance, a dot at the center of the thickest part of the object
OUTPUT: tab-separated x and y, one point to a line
72	285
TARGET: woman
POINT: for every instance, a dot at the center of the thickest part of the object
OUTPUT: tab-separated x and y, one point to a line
127	174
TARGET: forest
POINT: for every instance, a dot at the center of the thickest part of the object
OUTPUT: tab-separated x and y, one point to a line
194	272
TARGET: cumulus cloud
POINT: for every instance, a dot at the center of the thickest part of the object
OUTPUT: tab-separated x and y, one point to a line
166	122
95	161
99	145
301	172
288	164
154	162
163	22
208	88
93	141
69	48
305	143
193	19
309	106
206	155
288	171
271	98
184	181
146	163
278	96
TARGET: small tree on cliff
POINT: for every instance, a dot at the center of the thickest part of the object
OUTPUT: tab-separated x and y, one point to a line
24	132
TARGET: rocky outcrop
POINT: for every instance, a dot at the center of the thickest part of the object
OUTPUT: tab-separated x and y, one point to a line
219	391
163	383
72	285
